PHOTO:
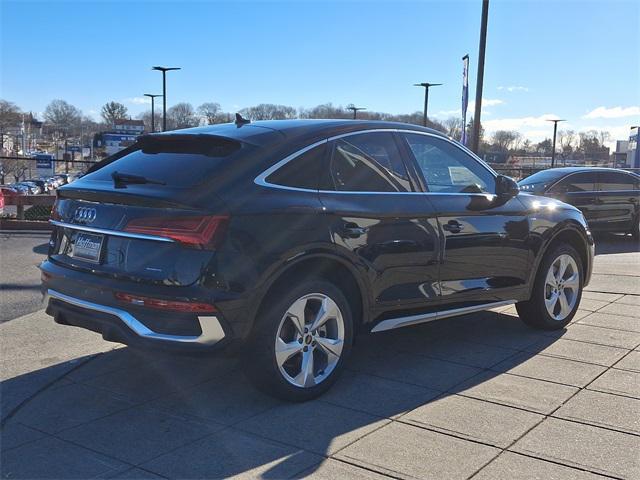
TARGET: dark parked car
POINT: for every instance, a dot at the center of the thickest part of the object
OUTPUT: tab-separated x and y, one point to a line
608	198
282	240
42	185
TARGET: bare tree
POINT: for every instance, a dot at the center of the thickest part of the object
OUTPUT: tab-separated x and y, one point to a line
505	140
269	111
62	115
603	137
146	118
10	114
182	115
112	111
454	127
211	112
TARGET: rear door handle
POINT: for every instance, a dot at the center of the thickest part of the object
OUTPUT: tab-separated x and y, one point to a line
453	226
352	230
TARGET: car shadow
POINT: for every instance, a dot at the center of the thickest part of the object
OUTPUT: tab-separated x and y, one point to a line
41	249
198	417
611	243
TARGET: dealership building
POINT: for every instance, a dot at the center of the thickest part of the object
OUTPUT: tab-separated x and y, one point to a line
122	134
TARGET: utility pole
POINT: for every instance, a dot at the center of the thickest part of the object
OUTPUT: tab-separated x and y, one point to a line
475	140
426	86
164	71
553	148
153	114
354	109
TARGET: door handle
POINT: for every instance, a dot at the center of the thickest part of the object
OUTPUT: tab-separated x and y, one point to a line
453	226
352	230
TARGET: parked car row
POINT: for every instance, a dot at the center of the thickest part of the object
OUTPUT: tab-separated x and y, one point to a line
37	186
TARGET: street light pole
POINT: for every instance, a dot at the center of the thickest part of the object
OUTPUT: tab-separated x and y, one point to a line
553	148
153	113
164	71
426	86
475	139
354	109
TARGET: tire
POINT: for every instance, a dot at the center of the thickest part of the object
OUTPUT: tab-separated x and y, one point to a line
553	304
291	361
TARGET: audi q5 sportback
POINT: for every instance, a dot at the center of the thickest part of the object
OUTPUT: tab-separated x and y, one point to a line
282	240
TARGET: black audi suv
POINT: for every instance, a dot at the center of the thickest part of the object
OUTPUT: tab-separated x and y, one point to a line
609	198
282	240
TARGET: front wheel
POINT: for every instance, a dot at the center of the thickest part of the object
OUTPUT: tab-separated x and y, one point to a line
301	342
557	291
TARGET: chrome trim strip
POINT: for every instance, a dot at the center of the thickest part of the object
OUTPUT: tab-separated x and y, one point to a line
399	322
117	233
261	179
212	331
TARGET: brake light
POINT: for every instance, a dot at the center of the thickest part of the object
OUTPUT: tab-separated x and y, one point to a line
201	231
160	304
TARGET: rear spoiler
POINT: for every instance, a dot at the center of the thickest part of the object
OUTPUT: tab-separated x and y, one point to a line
202	144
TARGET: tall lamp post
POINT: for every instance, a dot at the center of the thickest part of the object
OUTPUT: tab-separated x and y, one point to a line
153	112
475	139
426	86
164	71
354	109
553	148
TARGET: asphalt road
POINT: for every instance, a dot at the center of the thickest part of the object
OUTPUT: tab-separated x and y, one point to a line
20	254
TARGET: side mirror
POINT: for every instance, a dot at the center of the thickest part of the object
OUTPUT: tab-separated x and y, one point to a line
506	187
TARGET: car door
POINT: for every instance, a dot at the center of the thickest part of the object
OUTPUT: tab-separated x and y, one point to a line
375	216
617	200
485	254
580	190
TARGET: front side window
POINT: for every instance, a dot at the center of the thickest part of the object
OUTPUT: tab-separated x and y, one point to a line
368	162
612	181
447	168
578	182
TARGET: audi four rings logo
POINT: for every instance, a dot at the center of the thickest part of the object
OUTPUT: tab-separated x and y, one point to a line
85	214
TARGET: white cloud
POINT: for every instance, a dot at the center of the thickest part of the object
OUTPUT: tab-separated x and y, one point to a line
486	102
514	88
139	100
519	123
613	112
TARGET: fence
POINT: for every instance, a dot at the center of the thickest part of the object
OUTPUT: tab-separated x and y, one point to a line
21	200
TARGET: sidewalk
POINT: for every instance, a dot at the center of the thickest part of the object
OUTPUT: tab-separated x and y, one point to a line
478	396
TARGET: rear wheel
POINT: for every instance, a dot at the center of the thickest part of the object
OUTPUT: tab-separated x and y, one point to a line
300	344
557	291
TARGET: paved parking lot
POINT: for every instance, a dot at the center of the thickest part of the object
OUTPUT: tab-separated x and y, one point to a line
478	396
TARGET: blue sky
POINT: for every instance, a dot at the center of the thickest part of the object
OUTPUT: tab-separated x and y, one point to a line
577	60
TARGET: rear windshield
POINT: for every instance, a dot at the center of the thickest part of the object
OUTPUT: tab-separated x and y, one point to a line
177	162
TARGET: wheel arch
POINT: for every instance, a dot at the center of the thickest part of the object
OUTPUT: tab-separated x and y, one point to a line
328	266
572	235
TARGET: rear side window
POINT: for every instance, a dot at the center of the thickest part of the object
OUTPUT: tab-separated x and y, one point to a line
368	162
176	162
578	182
301	172
612	181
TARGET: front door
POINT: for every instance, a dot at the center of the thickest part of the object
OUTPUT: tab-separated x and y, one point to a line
376	218
485	256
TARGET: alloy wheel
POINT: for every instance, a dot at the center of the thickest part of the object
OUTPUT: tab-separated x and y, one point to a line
561	287
309	340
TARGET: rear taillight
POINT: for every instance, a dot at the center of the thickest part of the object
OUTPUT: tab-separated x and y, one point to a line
199	231
161	304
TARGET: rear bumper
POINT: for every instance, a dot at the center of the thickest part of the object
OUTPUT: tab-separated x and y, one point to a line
87	301
120	325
